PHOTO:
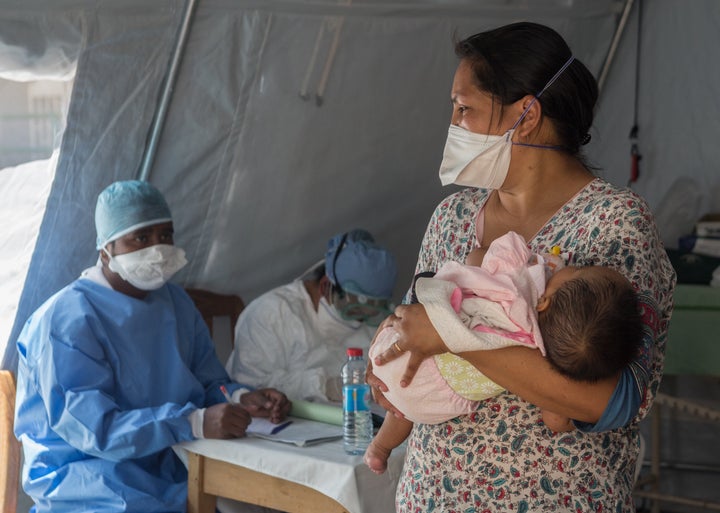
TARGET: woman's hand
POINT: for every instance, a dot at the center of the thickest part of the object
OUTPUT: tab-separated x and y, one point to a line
415	335
377	387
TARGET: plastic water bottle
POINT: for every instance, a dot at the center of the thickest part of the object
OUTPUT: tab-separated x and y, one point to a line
357	417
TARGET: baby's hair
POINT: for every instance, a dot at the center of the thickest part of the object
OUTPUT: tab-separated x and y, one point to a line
592	328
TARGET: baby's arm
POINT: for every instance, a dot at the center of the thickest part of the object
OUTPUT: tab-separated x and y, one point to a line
557	422
393	432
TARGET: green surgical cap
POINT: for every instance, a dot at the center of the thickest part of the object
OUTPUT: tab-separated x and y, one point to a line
127	206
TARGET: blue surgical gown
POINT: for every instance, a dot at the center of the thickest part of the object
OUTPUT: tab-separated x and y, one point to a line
105	385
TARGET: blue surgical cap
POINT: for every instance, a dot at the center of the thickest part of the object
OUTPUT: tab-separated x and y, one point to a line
126	206
358	265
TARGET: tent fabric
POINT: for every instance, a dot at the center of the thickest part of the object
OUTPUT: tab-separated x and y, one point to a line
293	120
23	194
121	60
677	106
37	43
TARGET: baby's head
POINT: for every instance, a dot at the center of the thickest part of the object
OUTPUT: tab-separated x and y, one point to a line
590	322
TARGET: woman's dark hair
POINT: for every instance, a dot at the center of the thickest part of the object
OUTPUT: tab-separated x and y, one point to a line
515	60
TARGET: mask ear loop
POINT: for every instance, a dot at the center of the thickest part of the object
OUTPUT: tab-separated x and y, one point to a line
532	102
110	257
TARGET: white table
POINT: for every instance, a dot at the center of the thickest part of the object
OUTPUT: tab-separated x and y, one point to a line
282	476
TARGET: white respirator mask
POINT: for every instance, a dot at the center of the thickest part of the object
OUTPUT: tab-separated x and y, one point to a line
149	268
475	160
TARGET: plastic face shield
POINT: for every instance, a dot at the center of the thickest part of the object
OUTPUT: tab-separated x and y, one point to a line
352	307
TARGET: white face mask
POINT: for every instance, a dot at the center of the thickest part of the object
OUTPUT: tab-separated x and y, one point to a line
476	160
149	268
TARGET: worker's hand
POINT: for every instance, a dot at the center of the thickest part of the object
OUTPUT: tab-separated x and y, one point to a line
415	335
267	402
225	420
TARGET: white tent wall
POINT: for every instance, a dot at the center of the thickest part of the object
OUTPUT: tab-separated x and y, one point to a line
678	102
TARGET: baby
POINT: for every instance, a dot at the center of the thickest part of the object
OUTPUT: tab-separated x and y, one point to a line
585	320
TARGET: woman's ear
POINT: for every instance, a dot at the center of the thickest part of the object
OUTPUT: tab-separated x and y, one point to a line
533	116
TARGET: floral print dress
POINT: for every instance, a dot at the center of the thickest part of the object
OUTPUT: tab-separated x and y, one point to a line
502	458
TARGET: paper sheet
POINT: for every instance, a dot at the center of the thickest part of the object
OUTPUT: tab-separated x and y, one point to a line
263	426
301	432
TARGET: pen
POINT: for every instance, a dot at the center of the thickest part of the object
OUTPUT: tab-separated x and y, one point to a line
225	393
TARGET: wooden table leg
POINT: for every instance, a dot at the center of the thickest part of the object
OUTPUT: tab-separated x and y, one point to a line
198	501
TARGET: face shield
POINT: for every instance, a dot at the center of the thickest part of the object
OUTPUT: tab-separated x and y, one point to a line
359	307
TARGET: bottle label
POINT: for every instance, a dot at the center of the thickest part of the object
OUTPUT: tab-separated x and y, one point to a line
356	397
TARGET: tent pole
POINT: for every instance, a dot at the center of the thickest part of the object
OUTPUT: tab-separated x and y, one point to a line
614	44
161	112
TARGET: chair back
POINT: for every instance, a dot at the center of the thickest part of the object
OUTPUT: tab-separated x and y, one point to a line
211	305
9	445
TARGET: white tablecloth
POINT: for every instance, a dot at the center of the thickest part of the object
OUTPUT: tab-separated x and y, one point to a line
324	467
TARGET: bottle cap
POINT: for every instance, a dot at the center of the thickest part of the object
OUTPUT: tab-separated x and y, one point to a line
354	351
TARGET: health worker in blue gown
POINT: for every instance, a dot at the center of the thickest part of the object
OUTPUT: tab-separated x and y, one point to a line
119	366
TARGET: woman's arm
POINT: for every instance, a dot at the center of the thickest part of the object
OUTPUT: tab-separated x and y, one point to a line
520	370
524	372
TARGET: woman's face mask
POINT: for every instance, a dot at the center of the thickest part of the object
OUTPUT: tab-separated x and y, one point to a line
149	268
476	160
